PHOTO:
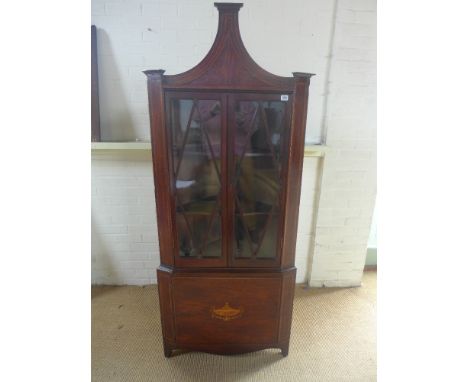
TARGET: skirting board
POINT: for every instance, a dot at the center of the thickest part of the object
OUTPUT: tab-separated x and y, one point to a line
334	283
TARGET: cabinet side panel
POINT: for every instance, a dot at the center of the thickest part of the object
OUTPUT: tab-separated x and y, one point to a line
161	168
165	305
294	173
287	297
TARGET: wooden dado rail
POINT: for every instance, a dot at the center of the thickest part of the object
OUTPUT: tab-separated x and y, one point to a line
309	151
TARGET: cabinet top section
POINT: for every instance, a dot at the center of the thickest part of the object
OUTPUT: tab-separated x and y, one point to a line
229	7
228	65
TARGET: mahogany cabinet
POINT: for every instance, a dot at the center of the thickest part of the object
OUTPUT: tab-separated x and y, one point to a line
227	144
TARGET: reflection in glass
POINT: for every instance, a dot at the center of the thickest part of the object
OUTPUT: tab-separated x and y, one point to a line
257	151
196	146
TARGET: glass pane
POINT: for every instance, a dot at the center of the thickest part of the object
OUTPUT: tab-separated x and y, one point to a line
196	147
257	151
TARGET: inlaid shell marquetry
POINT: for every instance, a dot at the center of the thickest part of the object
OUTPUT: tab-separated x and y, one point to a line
226	313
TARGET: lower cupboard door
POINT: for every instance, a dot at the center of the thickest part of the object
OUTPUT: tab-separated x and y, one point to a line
232	310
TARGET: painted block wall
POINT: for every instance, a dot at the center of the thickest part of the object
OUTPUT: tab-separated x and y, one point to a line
135	35
125	247
124	244
348	186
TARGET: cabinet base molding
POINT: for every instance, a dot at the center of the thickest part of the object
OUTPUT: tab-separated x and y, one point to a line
171	349
226	312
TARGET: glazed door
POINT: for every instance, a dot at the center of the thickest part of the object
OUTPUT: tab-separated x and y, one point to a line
228	156
196	137
257	147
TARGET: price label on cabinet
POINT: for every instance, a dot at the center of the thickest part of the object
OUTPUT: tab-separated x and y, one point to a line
284	97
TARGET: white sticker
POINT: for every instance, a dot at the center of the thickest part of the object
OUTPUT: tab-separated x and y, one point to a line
284	97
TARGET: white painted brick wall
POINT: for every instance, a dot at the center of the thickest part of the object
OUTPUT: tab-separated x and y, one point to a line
125	246
134	35
309	192
348	186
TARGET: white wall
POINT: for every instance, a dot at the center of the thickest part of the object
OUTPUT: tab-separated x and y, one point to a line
136	35
124	236
349	175
282	37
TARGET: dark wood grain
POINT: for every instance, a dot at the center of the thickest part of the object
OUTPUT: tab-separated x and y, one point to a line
287	297
165	303
256	298
294	169
187	298
227	305
228	65
161	174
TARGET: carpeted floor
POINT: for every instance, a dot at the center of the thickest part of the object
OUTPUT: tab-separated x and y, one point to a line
333	338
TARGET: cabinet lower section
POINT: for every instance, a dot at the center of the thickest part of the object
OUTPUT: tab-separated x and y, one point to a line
226	312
